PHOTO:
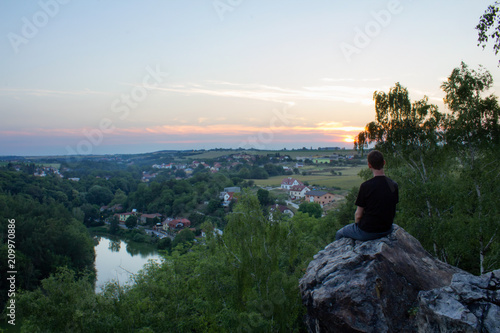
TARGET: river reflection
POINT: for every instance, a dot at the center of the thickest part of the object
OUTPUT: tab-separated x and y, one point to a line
118	260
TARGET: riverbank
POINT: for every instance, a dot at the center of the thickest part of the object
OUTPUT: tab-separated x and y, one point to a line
118	260
138	235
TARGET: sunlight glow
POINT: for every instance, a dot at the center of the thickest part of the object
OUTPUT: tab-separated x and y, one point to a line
348	139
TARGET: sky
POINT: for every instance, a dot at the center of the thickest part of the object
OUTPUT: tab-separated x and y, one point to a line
113	77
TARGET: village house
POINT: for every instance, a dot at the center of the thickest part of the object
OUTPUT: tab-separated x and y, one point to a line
146	217
114	208
173	224
163	166
288	182
320	197
122	217
146	177
243	156
215	232
228	194
298	192
234	189
216	167
226	200
279	208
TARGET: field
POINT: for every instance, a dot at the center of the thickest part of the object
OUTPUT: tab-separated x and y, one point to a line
346	181
54	165
292	153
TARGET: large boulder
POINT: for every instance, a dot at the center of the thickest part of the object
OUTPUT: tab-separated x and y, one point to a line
469	304
372	286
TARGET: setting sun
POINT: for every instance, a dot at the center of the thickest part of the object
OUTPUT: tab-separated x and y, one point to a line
348	139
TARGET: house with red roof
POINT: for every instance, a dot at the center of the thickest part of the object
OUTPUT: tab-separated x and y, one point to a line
288	182
279	208
178	223
298	191
228	196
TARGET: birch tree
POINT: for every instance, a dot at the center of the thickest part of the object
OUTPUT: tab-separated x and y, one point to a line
473	131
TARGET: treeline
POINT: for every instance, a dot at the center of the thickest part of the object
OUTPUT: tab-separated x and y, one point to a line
174	197
46	236
244	280
447	165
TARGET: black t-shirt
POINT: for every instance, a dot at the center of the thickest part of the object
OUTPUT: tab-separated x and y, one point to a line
379	203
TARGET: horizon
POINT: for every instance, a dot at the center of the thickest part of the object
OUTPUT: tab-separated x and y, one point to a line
236	150
101	78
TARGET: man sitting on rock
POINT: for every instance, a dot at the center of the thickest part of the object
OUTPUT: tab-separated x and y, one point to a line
376	204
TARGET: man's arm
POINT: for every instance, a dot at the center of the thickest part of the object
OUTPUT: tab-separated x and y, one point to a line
358	214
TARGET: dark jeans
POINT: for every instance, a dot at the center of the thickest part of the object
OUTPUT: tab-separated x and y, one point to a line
353	231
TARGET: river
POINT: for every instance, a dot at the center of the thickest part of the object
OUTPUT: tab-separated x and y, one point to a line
117	260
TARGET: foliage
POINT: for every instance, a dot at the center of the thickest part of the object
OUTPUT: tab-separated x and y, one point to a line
60	305
185	236
345	213
114	225
47	237
246	279
131	222
99	195
312	208
473	132
489	27
165	244
264	197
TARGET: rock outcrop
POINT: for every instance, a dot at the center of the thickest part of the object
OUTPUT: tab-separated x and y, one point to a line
372	286
469	304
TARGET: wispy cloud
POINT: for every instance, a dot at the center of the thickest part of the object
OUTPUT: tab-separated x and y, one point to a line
327	79
289	96
48	92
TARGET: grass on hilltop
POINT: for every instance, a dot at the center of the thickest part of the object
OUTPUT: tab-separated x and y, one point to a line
346	181
53	165
292	153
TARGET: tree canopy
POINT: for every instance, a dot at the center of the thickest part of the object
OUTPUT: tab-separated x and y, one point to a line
489	27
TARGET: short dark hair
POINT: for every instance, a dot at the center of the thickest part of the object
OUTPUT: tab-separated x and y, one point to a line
376	159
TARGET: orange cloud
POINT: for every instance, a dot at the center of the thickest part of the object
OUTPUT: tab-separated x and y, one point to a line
197	129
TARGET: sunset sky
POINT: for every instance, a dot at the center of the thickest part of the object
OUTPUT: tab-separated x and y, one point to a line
103	77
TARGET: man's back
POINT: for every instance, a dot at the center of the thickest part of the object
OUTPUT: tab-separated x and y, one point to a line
379	202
